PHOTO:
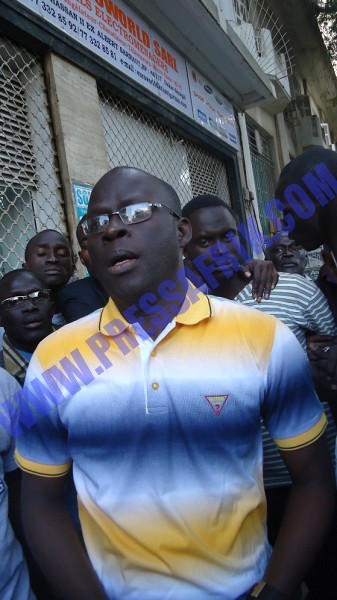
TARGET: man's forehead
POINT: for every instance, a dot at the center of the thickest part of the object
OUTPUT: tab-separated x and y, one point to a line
52	245
20	282
48	239
126	183
213	215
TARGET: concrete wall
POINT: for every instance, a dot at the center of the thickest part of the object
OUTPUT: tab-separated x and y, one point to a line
78	130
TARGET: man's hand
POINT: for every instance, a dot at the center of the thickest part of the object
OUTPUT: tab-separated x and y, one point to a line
264	275
307	518
322	353
54	541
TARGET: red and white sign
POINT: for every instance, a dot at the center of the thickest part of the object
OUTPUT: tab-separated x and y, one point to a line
123	39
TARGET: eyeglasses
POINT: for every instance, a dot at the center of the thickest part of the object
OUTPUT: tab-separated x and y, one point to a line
129	215
20	301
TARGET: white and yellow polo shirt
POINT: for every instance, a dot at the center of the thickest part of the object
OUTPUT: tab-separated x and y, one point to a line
165	441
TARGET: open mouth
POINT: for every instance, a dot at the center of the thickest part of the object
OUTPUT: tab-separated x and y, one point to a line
122	262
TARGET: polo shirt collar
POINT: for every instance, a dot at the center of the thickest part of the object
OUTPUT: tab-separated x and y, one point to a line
196	307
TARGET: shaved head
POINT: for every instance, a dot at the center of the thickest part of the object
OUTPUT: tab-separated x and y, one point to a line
133	173
49	255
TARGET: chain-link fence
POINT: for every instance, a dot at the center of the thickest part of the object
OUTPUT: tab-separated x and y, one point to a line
30	187
30	190
135	138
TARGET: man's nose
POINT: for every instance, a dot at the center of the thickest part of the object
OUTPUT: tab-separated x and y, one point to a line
219	247
29	305
289	250
52	257
115	228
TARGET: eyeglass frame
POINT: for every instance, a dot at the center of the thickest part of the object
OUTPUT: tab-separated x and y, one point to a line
118	212
24	299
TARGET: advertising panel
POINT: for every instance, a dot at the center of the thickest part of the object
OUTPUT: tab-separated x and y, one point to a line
81	196
211	109
118	35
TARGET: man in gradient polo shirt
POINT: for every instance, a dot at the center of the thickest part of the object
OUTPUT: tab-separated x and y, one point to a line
156	402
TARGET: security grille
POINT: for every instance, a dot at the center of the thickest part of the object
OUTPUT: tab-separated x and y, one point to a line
134	138
30	190
264	172
264	36
241	8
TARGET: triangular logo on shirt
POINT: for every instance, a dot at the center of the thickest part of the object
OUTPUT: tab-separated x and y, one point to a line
217	402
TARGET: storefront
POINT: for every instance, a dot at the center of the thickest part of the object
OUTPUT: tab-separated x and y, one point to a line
88	85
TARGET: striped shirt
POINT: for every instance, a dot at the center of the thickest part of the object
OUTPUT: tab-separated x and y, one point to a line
301	305
165	440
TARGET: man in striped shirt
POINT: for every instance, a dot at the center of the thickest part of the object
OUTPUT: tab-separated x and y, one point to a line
286	255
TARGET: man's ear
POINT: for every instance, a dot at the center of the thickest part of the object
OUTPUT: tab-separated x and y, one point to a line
328	260
52	309
184	232
81	259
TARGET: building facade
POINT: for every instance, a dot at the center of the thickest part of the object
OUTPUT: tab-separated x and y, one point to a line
212	96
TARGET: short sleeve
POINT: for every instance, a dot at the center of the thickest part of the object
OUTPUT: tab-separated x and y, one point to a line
318	315
41	444
291	410
9	387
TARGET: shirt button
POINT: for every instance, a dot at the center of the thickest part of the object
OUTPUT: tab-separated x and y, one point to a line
155	385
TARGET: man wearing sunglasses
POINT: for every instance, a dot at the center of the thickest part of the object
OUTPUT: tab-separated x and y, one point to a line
156	401
26	315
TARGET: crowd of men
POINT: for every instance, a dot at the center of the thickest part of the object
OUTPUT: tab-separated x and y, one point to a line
174	412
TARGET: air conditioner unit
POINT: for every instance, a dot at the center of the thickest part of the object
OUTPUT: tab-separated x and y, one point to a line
296	84
310	131
303	103
291	116
326	134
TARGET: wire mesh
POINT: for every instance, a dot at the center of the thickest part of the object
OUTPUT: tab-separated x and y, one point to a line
135	138
264	172
30	188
